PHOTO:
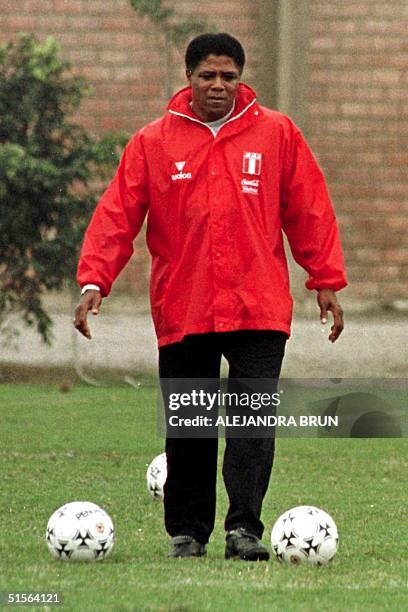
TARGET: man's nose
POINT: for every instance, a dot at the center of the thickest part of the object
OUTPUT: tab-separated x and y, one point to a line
217	83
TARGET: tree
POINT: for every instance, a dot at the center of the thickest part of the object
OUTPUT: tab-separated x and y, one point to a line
175	29
49	171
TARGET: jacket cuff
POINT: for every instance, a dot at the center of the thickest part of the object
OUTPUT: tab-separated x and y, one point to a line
89	286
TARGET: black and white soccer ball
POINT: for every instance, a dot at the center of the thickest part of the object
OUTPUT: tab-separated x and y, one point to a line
156	476
80	531
305	534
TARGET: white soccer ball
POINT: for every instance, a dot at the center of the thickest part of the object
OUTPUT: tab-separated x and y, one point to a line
80	531
156	476
305	533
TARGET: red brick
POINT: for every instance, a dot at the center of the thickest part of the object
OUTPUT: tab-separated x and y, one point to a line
387	76
114	56
374	109
356	94
31	6
112	123
345	26
322	107
82	56
68	7
394	290
7	6
383	26
365	289
70	39
394	10
400	159
377	274
102	7
399	255
95	38
97	73
99	107
338	9
116	24
399	225
19	23
84	23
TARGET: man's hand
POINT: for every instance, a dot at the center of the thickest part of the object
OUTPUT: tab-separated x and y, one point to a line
90	301
327	300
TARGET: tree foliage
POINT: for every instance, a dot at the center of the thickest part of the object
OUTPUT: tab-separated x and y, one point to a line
49	170
176	29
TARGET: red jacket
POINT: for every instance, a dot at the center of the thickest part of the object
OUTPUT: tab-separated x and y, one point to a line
216	210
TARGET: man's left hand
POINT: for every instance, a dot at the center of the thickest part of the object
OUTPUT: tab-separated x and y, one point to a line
327	300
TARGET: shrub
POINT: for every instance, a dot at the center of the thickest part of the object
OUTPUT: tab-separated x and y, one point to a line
49	171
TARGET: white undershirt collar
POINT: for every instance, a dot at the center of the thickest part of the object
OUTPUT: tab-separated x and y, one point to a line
215	125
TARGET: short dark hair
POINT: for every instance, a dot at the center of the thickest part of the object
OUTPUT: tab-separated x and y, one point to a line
214	44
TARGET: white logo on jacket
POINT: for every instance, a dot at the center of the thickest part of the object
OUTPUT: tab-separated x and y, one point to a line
251	163
250	186
181	175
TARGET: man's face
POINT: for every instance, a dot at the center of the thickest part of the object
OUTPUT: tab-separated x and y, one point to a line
214	85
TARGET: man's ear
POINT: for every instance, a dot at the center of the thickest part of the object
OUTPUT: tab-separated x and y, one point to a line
188	75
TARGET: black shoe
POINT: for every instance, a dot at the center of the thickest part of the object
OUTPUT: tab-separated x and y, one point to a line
244	545
186	546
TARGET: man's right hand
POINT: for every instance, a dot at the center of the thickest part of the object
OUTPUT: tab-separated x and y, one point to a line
90	301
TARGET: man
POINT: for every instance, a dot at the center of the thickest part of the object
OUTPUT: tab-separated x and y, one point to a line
220	177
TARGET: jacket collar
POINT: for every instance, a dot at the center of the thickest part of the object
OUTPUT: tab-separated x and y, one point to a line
180	104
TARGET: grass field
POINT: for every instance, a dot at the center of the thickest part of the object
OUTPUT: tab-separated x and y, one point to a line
95	443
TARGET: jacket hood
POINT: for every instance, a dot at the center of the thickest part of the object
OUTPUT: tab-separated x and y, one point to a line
180	102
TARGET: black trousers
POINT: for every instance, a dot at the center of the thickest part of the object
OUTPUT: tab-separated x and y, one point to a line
190	489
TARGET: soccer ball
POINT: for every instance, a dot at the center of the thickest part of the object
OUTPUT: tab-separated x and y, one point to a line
80	531
156	476
305	533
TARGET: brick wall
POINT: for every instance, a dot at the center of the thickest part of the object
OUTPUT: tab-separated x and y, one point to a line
119	53
358	111
357	106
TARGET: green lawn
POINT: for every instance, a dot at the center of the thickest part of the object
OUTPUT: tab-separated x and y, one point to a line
95	443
